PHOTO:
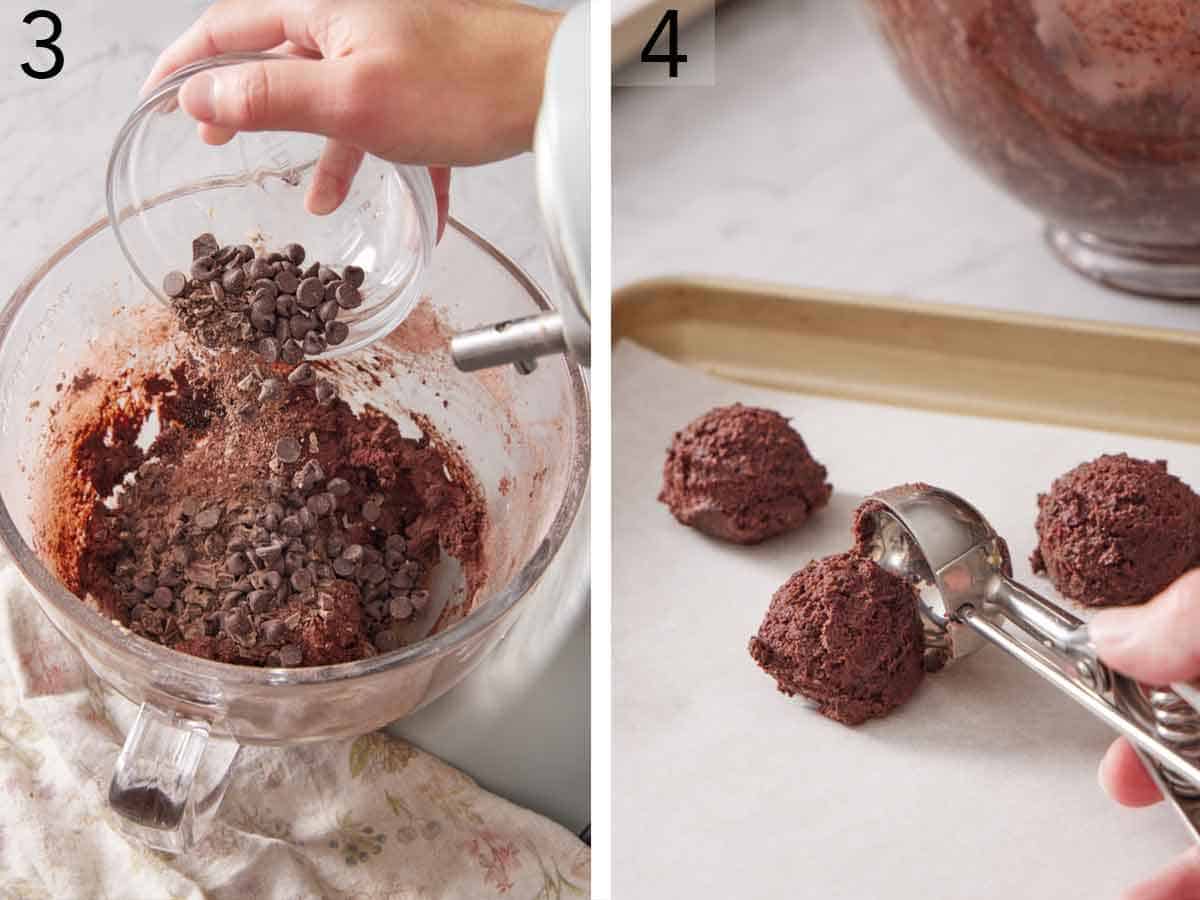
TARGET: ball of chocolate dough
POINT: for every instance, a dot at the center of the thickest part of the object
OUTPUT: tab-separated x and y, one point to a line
845	633
1115	531
742	474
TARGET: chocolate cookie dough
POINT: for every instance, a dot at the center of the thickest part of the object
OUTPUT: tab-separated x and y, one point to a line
267	523
742	474
844	633
1115	531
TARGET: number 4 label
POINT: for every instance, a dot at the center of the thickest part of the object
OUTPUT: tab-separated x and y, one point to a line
670	24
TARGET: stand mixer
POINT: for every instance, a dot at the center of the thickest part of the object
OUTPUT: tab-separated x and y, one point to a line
563	184
958	563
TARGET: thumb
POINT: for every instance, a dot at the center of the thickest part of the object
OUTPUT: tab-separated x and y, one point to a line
1157	643
272	95
1178	881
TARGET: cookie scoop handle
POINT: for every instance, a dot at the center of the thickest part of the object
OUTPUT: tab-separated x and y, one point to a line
1062	654
169	779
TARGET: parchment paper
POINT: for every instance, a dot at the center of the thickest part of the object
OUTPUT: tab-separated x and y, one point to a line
983	786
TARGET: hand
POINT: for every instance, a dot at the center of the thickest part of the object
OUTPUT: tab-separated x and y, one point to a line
422	82
1158	643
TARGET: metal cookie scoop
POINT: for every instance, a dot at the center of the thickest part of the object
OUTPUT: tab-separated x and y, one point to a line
942	544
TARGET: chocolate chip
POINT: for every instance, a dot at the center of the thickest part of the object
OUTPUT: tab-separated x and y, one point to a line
287	449
295	253
326	392
371	510
265	288
290	655
309	475
237	622
290	525
260	601
374	573
285	305
301	580
353	553
386	641
339	487
272	389
328	311
263	322
218	295
419	599
271	553
234	280
348	297
214	545
331	292
344	567
237	564
310	293
312	270
189	506
268	349
283	334
400	607
287	282
204	245
292	353
208	518
354	276
174	284
395	543
326	275
336	333
301	324
273	631
261	269
313	344
245	253
401	581
321	504
302	375
204	269
162	597
263	305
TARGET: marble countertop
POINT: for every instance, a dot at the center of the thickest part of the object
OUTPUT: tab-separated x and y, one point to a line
809	165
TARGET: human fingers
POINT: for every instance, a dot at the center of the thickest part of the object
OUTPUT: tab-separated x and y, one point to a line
1124	777
272	95
333	177
1157	643
232	26
441	191
1178	881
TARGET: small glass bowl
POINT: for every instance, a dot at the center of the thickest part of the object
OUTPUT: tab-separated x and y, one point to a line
165	186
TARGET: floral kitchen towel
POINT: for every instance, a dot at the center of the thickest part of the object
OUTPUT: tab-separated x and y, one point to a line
371	817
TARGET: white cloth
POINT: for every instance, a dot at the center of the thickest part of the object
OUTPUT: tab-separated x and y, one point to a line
371	817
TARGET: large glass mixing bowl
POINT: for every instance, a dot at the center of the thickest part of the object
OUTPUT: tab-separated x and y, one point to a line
1088	111
526	438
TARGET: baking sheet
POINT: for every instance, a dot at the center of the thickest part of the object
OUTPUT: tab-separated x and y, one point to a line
983	786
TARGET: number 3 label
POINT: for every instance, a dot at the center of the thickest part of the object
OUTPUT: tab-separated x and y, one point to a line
46	43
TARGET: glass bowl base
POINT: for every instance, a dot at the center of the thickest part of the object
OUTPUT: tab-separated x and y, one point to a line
1167	272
